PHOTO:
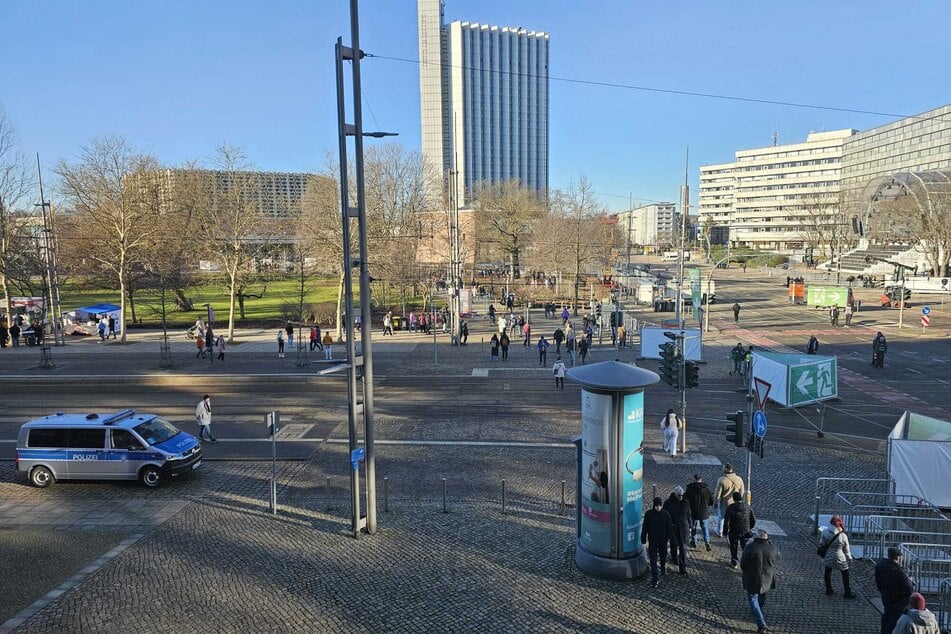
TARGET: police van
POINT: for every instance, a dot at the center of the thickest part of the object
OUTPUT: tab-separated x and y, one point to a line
120	446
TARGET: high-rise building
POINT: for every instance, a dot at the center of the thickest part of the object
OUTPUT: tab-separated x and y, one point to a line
768	195
651	225
483	104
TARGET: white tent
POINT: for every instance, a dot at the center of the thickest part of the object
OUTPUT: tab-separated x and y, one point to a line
919	458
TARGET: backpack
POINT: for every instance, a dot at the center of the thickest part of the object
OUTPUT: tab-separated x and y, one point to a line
824	548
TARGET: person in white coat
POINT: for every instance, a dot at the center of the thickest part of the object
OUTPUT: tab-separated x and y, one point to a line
671	426
559	371
203	416
838	555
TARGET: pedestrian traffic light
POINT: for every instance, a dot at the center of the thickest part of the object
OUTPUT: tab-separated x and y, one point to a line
691	374
669	362
736	428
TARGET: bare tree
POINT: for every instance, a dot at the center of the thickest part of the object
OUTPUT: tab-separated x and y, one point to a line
231	224
115	201
824	223
505	215
577	236
15	182
920	217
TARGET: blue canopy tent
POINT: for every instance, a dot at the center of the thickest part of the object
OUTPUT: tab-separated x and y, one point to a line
91	314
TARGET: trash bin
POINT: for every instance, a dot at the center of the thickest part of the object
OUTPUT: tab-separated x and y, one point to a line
397	322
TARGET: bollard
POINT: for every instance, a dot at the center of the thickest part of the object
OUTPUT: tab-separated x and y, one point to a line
386	495
563	506
503	496
444	509
327	493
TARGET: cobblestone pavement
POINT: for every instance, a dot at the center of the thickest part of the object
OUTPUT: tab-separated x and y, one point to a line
223	564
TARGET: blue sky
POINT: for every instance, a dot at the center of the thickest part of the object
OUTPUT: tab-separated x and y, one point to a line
179	77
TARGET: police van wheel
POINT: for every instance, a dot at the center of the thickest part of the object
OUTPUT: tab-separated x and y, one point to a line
41	477
151	476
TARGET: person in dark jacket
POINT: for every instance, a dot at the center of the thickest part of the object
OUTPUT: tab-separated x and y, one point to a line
700	498
813	347
895	588
656	531
759	563
679	510
739	523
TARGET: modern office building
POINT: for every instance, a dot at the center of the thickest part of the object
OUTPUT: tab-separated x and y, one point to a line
768	195
483	104
651	225
921	143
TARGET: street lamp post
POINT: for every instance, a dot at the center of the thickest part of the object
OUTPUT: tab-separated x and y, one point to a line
359	368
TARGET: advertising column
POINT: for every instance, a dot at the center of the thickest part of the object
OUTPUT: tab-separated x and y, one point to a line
597	425
632	488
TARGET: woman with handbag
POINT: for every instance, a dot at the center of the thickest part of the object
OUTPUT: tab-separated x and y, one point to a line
835	552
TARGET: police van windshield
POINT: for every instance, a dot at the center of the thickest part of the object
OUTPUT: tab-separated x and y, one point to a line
156	431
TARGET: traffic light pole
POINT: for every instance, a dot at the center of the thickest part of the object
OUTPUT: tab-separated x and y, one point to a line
749	421
682	372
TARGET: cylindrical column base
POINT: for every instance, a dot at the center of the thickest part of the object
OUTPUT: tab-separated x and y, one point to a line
612	569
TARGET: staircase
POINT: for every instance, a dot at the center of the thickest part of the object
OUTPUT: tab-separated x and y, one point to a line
854	262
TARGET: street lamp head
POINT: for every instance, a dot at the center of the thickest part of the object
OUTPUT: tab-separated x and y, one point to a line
380	135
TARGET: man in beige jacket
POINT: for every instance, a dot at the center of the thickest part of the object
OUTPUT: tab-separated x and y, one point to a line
728	484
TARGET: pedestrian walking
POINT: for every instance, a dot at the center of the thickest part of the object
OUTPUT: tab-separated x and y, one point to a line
112	326
412	321
200	344
879	348
203	417
670	424
280	343
738	356
849	310
739	524
494	347
559	371
656	532
502	325
558	336
895	587
388	323
679	510
759	563
836	553
728	484
542	351
736	312
813	346
700	498
492	313
564	316
583	346
527	332
289	329
464	333
15	335
220	347
4	334
101	327
314	338
622	336
917	619
834	316
328	344
570	347
504	343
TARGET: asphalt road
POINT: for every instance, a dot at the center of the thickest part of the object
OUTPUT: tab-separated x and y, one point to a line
516	402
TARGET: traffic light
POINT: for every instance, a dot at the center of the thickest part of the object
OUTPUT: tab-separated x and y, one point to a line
736	428
691	374
669	364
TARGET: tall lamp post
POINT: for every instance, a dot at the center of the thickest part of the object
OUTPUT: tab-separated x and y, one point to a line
359	367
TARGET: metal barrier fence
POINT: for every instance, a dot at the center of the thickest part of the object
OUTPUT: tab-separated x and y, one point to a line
854	506
891	530
927	565
826	489
944	606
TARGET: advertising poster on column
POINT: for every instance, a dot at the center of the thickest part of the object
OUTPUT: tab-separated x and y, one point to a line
632	487
596	423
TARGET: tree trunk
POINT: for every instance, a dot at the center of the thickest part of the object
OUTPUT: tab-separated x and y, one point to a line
339	320
5	284
122	296
232	288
